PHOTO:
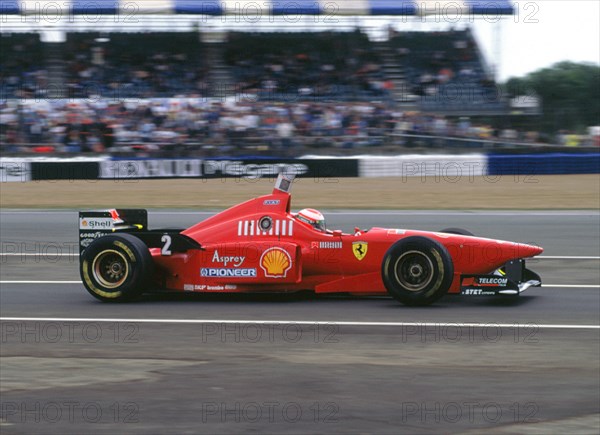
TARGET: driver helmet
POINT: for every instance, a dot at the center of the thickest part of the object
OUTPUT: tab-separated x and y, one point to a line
312	217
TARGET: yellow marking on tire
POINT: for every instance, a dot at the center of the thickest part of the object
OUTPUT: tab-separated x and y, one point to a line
438	259
125	248
91	285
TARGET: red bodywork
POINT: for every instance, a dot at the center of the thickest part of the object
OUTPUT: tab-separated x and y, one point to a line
238	256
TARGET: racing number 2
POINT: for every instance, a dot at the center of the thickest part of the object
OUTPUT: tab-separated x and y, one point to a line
166	249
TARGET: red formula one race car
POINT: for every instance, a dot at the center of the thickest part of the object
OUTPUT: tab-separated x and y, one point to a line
261	246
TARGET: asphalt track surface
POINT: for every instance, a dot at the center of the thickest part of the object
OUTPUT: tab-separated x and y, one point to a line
299	363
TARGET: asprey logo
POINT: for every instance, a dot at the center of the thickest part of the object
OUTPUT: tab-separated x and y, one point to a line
95	223
237	261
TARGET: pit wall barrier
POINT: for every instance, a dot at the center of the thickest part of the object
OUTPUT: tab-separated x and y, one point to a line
447	166
543	164
31	169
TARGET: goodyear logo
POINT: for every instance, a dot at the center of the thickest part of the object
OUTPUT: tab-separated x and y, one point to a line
276	262
271	202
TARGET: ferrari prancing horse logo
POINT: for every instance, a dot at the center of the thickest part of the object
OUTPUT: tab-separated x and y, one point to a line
360	249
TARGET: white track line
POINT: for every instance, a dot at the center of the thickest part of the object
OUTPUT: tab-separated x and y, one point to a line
79	282
462	213
572	285
358	212
40	282
62	254
301	322
37	254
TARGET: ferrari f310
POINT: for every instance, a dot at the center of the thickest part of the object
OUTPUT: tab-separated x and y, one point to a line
261	246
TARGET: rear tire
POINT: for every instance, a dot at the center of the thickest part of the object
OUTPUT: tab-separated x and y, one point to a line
116	268
417	271
458	231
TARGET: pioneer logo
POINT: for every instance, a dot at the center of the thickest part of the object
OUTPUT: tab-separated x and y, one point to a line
211	272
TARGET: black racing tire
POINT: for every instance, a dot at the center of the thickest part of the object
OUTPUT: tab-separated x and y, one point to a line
116	268
417	271
458	231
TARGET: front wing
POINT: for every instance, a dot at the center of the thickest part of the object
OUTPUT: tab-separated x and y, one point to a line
512	279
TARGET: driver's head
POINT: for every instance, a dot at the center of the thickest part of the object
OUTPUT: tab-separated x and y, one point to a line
312	217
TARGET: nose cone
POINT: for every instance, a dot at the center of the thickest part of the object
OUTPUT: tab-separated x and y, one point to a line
481	255
525	251
494	253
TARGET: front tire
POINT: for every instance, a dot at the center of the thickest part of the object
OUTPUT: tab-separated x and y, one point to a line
459	231
116	268
417	271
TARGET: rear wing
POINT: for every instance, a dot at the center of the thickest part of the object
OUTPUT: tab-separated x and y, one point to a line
97	223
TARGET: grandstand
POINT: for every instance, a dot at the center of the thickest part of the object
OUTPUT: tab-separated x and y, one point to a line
447	72
195	90
301	66
340	66
137	65
22	66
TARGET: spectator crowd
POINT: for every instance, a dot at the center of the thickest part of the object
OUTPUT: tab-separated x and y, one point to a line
201	127
149	92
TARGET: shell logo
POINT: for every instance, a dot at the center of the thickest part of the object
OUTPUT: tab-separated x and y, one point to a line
84	223
276	262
